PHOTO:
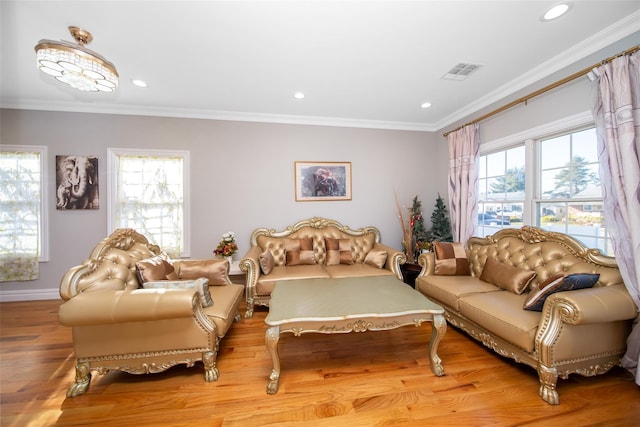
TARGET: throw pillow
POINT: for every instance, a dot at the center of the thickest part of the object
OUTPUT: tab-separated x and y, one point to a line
451	259
535	301
507	277
299	258
338	251
266	261
299	251
202	285
217	271
158	267
376	258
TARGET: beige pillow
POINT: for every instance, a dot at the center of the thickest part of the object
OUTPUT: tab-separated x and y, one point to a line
158	267
202	285
451	259
266	261
299	258
217	271
507	277
376	258
338	251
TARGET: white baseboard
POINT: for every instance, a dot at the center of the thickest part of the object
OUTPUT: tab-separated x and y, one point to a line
29	295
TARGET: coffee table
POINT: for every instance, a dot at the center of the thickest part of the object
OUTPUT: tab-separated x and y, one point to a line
338	306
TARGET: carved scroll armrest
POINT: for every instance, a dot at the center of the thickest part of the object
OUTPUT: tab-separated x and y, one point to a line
111	307
250	264
595	305
428	263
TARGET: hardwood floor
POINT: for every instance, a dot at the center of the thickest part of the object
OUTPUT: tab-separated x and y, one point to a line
360	379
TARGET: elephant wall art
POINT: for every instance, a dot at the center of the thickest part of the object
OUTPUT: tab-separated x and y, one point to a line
77	182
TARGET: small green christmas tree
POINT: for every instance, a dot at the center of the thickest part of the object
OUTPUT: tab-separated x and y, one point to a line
441	227
420	234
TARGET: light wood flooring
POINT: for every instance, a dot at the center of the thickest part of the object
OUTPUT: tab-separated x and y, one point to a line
359	379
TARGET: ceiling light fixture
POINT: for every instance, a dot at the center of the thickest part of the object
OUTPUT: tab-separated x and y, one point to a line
556	12
139	83
298	95
426	105
76	65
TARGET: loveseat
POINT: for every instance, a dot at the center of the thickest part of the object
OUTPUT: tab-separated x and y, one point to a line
313	248
560	332
132	309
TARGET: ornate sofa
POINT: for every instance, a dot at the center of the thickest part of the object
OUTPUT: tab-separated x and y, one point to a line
117	324
579	331
363	254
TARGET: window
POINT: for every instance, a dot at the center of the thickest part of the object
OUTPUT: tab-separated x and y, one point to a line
23	217
148	191
551	182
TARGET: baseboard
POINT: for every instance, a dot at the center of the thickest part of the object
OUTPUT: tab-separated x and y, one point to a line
29	295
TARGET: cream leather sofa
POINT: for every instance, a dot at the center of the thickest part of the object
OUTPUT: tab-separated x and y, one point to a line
580	331
118	325
367	257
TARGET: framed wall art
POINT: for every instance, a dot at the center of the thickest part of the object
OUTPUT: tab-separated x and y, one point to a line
322	181
77	182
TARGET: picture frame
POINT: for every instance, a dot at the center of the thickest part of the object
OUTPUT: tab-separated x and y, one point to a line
77	184
322	181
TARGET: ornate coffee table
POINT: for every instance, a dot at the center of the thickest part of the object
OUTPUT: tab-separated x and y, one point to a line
337	306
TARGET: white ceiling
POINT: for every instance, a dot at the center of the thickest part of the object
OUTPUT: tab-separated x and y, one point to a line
359	63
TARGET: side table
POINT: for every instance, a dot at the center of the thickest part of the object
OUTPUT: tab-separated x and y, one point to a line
236	275
410	272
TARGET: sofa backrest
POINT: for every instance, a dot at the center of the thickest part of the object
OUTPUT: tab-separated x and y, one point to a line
111	265
545	252
318	229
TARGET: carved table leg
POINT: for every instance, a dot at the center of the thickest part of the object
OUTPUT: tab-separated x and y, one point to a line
271	339
83	378
438	329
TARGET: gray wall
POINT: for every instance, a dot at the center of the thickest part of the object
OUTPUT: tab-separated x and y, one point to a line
241	177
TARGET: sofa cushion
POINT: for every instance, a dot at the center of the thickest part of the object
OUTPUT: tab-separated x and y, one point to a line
508	277
266	261
535	300
223	312
264	285
449	289
376	258
217	271
158	267
299	251
501	314
201	285
356	270
338	251
451	259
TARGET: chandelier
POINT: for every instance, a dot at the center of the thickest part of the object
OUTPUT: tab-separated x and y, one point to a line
76	65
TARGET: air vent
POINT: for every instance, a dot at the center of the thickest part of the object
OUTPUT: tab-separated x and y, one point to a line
461	71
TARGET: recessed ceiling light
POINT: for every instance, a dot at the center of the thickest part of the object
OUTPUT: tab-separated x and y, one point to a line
556	11
298	95
426	105
139	83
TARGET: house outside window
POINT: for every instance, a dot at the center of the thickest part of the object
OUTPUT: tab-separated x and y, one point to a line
550	181
23	213
148	191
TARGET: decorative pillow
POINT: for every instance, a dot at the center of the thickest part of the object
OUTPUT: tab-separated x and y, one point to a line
201	284
507	277
158	267
376	258
299	251
338	251
535	300
266	261
299	258
217	271
451	259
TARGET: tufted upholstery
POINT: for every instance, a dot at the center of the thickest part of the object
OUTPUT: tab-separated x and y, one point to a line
582	331
363	240
119	326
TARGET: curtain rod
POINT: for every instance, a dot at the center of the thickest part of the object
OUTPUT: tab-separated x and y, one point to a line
545	89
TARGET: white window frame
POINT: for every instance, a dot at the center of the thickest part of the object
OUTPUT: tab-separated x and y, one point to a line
113	153
44	212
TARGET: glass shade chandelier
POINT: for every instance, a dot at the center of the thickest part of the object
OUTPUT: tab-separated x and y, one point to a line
76	65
